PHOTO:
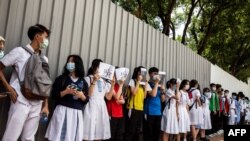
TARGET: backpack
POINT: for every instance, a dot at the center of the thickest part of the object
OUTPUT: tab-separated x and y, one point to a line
190	95
37	83
203	98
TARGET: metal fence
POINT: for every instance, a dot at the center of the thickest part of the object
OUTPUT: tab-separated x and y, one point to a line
96	29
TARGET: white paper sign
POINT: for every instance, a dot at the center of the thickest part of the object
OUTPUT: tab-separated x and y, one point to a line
121	73
106	71
162	75
144	76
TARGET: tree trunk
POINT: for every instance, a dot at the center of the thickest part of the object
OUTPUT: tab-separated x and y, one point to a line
193	5
167	17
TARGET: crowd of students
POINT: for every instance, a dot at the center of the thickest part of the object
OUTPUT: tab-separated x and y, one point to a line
89	107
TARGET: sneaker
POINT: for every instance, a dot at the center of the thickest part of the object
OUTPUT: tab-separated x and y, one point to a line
211	135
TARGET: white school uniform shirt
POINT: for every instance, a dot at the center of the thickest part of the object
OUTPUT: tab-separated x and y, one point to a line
232	103
18	58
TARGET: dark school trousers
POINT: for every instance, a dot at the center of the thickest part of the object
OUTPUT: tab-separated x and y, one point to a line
152	128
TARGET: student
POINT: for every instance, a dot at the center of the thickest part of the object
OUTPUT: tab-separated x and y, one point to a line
95	115
232	111
183	109
238	109
214	108
226	99
243	107
152	108
135	105
206	124
24	114
115	111
169	122
2	43
195	113
70	94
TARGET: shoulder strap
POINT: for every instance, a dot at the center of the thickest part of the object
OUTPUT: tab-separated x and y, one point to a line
28	50
90	80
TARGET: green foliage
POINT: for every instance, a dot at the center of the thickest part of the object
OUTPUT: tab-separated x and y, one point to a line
219	29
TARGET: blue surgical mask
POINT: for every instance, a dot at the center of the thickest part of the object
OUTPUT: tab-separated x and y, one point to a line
70	66
1	54
234	97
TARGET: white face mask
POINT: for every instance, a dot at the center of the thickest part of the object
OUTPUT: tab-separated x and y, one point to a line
214	88
44	44
208	94
1	54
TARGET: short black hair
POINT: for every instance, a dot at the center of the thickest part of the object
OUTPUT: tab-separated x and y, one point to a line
79	68
218	86
193	83
226	91
153	69
206	90
234	94
212	85
241	94
37	29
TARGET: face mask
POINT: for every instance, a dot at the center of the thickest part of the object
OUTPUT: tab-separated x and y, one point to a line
44	44
208	94
234	97
1	54
214	88
187	87
174	87
70	66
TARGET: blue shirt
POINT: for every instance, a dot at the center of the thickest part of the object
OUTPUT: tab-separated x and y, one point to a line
153	104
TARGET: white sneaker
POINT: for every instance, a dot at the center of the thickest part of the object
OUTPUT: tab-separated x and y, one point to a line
211	135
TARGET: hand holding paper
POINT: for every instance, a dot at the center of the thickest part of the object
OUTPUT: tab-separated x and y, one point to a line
106	71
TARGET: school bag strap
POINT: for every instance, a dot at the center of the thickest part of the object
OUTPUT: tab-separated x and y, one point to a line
195	102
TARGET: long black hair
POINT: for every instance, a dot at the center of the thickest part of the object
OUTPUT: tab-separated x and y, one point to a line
193	83
79	68
94	66
171	82
183	83
137	71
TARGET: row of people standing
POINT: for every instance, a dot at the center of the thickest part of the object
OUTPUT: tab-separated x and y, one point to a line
82	113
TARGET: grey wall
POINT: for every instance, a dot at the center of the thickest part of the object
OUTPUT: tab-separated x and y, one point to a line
96	29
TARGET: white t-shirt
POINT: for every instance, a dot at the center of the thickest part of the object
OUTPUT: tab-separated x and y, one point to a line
132	84
18	58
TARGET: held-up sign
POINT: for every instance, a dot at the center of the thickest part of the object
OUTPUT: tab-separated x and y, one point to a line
106	71
162	76
121	73
144	76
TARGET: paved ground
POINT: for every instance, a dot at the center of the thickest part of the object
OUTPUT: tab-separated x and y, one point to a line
217	138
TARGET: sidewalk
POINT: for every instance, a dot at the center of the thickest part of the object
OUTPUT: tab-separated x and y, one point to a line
217	138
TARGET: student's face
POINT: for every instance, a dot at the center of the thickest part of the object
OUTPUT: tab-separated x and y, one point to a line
1	45
41	37
152	74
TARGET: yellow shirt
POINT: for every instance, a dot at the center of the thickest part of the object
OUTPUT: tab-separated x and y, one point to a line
137	101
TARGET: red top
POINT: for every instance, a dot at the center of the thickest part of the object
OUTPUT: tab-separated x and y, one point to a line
115	109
